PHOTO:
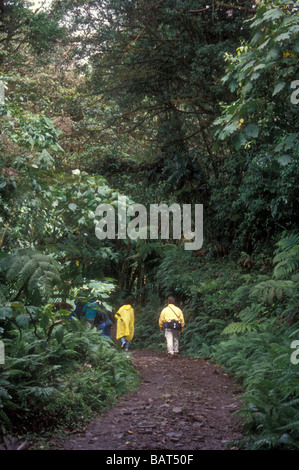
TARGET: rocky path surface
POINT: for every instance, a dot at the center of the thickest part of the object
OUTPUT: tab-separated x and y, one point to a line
181	404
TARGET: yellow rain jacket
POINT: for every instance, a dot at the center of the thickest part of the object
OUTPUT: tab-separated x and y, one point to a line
125	322
171	312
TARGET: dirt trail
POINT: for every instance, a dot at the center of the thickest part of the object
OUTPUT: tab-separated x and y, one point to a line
181	404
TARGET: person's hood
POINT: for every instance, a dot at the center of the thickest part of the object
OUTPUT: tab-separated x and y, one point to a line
127	307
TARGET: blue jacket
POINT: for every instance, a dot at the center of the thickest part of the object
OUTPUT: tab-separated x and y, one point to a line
90	310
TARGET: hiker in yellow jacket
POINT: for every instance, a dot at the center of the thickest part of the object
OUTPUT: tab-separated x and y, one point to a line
125	324
172	322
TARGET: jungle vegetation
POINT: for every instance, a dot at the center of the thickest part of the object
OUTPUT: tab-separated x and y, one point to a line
169	101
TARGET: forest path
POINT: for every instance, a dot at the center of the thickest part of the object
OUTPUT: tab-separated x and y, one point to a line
181	404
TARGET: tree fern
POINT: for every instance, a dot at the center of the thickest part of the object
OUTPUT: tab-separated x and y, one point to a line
287	242
287	262
249	320
285	274
240	327
260	360
267	291
31	273
281	287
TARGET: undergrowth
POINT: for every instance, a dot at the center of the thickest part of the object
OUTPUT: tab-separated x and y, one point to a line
59	381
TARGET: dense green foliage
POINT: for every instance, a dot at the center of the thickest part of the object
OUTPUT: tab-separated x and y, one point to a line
168	101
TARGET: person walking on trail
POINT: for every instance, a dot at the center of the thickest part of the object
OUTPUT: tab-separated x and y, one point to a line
172	322
103	320
89	311
125	324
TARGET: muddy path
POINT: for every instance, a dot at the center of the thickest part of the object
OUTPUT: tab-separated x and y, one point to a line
181	404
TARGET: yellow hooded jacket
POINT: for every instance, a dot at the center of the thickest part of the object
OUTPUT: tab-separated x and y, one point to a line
125	323
168	314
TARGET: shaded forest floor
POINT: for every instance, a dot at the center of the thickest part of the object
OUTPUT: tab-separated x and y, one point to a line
181	404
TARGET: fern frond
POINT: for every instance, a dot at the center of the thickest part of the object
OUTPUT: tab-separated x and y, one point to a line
251	313
240	327
14	264
287	256
288	242
39	392
287	263
32	272
268	290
